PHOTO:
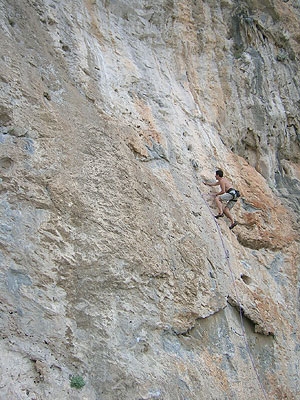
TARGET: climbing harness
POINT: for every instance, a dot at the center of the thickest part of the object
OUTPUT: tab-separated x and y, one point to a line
226	252
234	193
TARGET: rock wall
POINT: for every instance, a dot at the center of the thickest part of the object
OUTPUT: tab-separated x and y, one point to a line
113	269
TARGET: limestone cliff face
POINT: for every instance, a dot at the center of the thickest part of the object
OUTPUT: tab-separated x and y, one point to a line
112	266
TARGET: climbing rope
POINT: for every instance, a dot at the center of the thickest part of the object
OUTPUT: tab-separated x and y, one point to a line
227	256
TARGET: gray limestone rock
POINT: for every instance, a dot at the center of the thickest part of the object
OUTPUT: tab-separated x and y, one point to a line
113	268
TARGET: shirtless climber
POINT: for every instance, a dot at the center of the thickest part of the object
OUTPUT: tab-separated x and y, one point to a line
226	194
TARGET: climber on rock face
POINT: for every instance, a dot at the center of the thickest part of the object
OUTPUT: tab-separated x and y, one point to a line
226	194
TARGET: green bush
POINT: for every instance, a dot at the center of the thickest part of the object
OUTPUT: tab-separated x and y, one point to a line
77	382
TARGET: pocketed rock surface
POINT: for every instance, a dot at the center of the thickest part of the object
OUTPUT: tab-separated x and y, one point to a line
113	268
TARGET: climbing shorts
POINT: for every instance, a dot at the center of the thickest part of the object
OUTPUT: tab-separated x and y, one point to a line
227	197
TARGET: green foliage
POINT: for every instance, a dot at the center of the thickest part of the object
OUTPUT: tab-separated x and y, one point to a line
281	57
77	382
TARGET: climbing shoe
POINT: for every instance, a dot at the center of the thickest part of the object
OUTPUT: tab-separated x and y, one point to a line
219	215
233	225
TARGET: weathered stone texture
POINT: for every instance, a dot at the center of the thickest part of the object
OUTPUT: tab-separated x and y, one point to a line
112	266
